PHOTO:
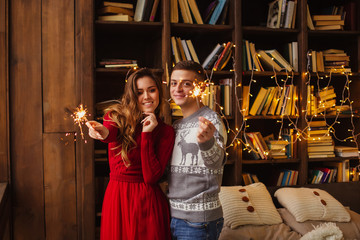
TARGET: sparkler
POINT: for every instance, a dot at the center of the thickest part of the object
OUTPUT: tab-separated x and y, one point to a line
198	91
80	117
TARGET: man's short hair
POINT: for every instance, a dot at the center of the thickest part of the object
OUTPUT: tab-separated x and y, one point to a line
191	66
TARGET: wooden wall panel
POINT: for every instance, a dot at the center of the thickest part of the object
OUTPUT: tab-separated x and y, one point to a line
58	64
60	187
84	55
4	106
26	119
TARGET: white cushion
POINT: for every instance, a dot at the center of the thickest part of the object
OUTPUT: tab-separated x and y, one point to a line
251	204
312	204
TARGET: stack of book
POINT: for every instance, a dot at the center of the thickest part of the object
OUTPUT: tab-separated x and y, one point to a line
219	96
328	22
118	63
115	11
287	178
282	14
215	12
278	148
316	61
346	151
272	101
258	146
270	60
322	175
249	178
183	50
326	99
219	57
319	143
336	60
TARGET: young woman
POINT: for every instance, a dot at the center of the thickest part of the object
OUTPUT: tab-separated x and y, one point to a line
139	146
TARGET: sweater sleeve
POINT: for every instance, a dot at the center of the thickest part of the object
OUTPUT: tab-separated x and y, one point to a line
213	151
155	153
113	130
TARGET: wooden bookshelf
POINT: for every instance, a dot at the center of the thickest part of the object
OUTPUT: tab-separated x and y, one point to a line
149	43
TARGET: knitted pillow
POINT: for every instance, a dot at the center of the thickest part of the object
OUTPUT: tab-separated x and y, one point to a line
251	204
312	204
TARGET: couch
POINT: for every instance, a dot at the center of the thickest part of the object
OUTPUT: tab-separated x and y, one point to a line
318	211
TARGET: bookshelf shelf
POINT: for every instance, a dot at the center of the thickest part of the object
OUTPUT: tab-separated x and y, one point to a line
269	73
333	33
112	26
259	30
332	159
199	28
271	161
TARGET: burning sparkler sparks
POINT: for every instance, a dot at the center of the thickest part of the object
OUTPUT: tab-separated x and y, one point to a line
198	91
80	117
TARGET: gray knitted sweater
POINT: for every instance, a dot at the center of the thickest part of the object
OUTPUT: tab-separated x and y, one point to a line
196	169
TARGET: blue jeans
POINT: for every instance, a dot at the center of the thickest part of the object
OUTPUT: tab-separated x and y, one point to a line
184	230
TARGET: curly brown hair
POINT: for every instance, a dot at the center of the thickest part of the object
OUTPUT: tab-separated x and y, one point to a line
127	115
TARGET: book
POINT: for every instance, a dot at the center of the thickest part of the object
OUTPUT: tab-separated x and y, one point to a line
268	62
115	10
326	148
195	11
276	55
213	56
224	13
254	57
245	100
186	50
217	11
154	10
223	56
248	55
180	48
326	17
117	17
258	100
175	49
289	14
123	65
309	21
330	27
329	22
117	4
139	10
185	11
192	51
174	11
147	10
209	11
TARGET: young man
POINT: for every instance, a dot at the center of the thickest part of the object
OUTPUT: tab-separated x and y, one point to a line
197	161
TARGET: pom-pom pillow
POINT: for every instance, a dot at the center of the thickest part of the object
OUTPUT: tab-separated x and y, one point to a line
251	204
312	204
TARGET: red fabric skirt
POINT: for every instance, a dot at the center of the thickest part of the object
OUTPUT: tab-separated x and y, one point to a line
134	211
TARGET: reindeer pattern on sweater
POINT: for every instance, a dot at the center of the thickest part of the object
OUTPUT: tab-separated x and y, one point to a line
196	169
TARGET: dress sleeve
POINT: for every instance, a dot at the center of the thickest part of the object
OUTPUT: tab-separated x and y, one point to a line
111	126
155	153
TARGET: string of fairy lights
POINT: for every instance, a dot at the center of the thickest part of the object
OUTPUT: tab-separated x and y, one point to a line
281	81
292	121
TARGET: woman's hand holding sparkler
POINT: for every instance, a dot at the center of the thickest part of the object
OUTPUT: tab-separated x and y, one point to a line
149	122
205	131
97	130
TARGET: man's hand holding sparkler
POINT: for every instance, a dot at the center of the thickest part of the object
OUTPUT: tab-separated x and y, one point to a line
97	130
206	130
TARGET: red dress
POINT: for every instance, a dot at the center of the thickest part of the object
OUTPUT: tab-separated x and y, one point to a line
134	205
